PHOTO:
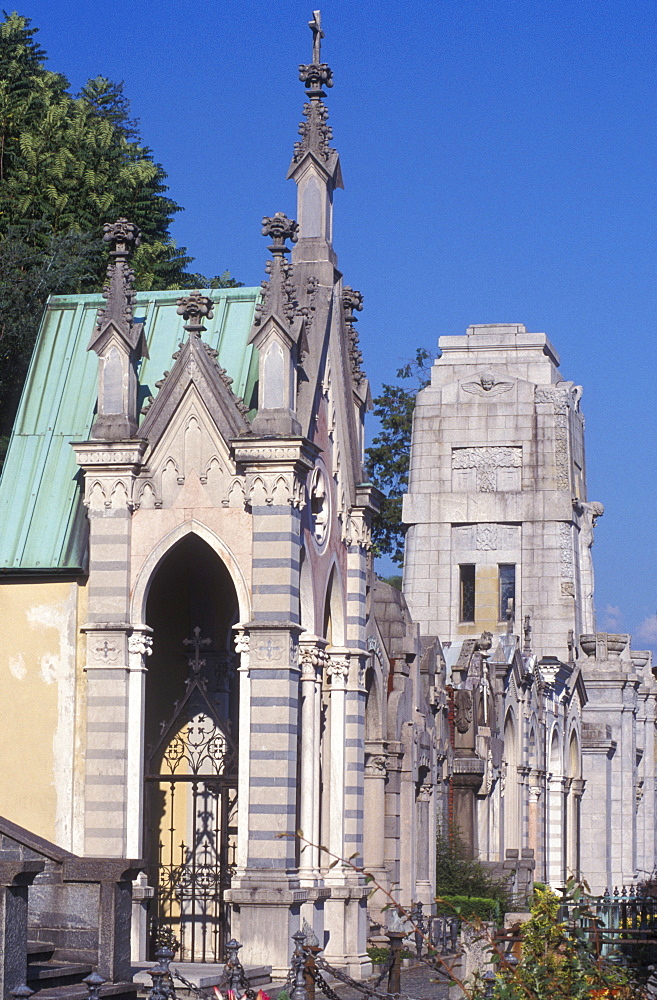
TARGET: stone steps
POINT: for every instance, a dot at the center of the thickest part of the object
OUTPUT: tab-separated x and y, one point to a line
78	991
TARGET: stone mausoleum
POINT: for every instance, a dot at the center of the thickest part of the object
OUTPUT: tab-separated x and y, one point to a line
190	619
225	705
553	747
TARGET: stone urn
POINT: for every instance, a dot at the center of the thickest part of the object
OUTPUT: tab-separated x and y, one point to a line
587	643
616	643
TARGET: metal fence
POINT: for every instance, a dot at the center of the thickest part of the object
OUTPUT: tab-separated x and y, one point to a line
621	923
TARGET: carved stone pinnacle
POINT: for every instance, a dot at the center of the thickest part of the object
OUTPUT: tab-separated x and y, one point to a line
280	229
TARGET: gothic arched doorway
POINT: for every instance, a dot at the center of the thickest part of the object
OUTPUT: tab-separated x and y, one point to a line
191	749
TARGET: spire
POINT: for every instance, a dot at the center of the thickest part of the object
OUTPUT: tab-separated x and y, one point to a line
278	293
315	165
118	341
123	237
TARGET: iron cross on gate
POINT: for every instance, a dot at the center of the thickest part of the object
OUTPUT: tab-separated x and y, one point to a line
196	662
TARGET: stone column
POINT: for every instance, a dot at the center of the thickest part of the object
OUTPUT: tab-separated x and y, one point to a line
574	836
242	645
15	878
374	809
555	846
312	659
337	671
425	891
534	818
265	891
140	645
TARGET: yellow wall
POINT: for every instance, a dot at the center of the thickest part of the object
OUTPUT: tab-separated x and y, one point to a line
38	692
487	597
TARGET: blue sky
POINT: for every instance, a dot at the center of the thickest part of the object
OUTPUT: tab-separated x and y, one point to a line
500	164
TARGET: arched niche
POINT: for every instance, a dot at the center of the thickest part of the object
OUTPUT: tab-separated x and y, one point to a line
191	741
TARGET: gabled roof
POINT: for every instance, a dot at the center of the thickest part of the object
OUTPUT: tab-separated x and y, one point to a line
196	364
42	521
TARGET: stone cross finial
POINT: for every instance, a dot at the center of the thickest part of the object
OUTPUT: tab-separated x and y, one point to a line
316	74
280	229
194	309
316	27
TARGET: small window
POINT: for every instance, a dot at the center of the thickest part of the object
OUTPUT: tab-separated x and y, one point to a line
507	586
467	592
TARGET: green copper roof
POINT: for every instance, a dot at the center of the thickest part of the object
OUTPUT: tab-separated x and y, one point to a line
42	519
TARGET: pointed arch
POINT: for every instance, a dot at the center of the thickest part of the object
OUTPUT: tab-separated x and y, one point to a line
157	554
512	832
333	624
306	595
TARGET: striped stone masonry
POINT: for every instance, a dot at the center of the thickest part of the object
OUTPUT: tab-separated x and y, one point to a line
113	761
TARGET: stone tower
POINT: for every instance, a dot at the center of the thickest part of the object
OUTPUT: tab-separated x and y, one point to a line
499	523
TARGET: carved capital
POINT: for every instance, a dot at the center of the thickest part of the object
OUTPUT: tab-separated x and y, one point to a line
312	657
338	671
375	765
140	643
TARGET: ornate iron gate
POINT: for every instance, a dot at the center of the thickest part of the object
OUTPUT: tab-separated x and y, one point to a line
191	781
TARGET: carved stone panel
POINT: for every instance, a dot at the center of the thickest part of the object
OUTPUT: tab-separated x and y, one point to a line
486	469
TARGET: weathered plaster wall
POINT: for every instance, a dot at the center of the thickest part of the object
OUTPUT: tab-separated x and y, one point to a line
38	629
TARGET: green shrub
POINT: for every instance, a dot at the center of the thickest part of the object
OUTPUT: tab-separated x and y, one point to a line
457	874
469	907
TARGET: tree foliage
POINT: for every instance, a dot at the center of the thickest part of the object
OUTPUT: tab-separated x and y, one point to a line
389	455
68	164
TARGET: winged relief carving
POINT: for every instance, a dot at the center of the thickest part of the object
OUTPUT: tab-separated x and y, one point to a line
486	385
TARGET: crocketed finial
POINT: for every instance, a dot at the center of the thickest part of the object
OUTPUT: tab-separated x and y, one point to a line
280	229
194	309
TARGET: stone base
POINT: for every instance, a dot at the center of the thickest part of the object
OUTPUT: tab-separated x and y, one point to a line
201	975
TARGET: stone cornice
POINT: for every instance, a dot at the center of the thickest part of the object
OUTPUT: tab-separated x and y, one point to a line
97	455
274	453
